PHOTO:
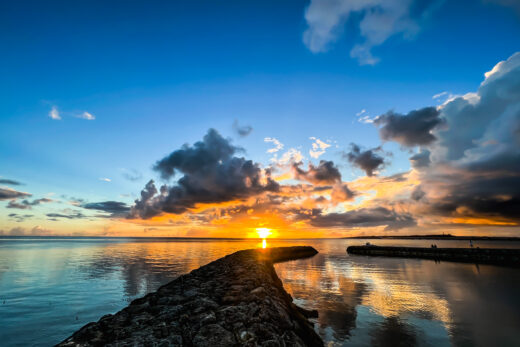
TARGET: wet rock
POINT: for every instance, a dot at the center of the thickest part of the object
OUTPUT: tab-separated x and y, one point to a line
237	300
214	335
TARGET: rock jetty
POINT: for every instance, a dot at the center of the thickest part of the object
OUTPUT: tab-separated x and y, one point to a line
495	256
237	300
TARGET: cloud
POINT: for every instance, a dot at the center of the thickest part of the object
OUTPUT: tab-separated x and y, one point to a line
132	175
421	159
318	148
72	215
292	155
8	193
367	161
469	170
277	144
324	173
19	218
26	204
379	20
365	217
105	179
54	113
341	192
417	193
115	208
443	97
36	231
86	115
9	182
210	174
146	207
242	130
413	129
364	117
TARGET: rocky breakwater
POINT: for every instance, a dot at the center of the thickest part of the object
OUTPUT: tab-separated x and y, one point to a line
237	300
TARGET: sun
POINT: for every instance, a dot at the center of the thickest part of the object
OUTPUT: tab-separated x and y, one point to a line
263	232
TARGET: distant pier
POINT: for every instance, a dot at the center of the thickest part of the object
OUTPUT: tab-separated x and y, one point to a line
495	256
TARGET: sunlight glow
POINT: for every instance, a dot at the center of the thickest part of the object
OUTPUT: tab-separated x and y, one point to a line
263	232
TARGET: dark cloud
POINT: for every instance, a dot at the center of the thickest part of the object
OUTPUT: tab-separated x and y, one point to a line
115	208
8	193
473	170
210	174
204	155
365	217
368	161
16	204
495	198
9	182
73	215
413	129
26	204
20	217
324	173
242	130
421	159
398	177
144	207
417	193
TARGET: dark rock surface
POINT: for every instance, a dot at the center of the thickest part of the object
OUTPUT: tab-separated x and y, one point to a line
237	300
493	256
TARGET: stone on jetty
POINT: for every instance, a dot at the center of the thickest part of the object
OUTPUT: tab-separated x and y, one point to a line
237	300
494	256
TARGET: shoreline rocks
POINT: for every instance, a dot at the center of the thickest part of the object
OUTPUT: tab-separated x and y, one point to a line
237	300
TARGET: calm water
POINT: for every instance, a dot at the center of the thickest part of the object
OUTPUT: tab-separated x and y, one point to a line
51	287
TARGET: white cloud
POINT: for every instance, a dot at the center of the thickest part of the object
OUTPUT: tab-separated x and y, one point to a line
443	97
440	95
291	156
380	19
363	111
277	144
364	117
488	116
105	179
54	113
87	116
318	147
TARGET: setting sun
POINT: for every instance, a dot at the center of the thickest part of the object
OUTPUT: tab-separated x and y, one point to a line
263	232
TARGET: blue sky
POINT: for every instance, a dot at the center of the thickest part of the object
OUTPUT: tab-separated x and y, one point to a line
156	75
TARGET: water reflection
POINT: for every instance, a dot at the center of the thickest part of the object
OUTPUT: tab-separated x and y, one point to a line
52	288
363	300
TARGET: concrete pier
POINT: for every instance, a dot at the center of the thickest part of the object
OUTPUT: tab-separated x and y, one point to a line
496	256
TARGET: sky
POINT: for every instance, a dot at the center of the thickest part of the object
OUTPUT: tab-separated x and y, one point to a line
320	118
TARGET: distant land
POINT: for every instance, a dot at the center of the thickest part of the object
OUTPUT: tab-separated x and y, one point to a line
437	237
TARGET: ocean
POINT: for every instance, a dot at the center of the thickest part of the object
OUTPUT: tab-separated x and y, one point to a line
50	287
